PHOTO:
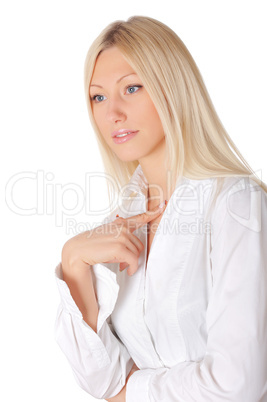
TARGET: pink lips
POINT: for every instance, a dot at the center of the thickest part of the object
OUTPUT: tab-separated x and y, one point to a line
120	140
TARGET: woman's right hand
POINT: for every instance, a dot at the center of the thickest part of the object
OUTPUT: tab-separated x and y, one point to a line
109	243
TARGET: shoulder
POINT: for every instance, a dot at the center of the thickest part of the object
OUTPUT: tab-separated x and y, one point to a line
237	192
238	203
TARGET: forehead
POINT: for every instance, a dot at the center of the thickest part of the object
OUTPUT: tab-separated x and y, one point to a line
110	64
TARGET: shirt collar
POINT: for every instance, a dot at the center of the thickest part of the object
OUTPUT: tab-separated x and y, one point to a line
138	183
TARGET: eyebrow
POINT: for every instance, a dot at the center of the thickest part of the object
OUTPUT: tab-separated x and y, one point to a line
99	86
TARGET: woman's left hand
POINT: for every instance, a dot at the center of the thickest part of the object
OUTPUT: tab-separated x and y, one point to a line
121	396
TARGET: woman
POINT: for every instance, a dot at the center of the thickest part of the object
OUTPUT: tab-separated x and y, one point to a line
182	316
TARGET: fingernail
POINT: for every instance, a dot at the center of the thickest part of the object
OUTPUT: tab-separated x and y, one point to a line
162	204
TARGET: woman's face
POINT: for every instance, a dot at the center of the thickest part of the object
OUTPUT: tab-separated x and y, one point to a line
120	101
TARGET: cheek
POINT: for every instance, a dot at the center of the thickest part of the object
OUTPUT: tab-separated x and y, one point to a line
96	116
153	117
147	110
100	120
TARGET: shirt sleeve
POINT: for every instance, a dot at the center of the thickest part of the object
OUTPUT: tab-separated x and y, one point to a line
100	361
234	367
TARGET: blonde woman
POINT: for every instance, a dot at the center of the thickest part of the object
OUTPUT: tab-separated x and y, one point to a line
166	299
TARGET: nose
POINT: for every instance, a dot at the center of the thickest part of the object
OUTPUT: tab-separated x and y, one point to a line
115	110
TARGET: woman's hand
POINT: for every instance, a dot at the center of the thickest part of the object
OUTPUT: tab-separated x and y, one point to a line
121	396
111	242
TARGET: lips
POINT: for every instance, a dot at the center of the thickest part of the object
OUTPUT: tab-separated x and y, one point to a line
122	133
128	135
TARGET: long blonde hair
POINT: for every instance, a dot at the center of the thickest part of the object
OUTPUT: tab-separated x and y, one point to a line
197	145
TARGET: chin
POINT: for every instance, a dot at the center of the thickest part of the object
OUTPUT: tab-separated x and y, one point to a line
127	156
124	158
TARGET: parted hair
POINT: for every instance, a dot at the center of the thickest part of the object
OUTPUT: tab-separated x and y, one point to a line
197	144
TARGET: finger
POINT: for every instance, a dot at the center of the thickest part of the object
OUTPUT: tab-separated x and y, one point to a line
139	220
133	244
137	242
123	265
134	239
132	247
124	255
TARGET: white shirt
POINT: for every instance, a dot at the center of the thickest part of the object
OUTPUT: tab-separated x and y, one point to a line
195	319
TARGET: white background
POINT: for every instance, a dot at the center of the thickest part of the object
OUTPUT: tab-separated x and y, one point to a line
45	133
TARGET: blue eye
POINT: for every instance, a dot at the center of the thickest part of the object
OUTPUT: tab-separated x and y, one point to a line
93	98
96	100
134	86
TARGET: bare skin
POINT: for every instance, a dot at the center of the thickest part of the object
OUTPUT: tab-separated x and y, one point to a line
124	103
119	101
112	242
121	396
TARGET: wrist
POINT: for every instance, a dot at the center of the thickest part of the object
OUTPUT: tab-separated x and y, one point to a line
71	263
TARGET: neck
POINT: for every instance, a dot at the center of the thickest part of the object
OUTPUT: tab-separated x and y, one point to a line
158	177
